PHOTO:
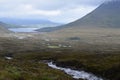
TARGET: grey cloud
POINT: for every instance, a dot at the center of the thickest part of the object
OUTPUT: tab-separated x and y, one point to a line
37	8
49	4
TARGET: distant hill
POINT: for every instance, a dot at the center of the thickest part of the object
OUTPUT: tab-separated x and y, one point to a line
3	29
107	15
49	29
21	23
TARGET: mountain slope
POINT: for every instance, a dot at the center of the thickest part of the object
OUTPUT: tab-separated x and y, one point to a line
107	15
3	29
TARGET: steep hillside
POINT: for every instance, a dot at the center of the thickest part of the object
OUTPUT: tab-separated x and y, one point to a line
107	15
3	29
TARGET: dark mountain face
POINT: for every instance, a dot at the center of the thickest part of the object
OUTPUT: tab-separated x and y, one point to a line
107	15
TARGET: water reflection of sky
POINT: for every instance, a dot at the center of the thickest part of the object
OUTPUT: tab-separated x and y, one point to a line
23	29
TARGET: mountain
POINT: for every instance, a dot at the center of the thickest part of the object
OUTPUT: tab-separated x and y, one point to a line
107	15
26	22
18	21
3	29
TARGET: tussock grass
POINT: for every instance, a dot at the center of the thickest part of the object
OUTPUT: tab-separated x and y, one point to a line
101	64
29	70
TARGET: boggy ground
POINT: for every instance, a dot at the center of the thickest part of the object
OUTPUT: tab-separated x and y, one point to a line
97	53
29	70
104	65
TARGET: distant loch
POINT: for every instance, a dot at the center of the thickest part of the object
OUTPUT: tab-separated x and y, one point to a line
23	29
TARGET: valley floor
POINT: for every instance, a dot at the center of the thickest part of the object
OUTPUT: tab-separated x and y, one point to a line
96	51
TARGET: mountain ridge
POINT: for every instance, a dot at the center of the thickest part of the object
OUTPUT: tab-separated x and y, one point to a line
18	21
105	16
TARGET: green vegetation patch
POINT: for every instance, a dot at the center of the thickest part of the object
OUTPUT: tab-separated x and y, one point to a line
102	64
53	47
29	70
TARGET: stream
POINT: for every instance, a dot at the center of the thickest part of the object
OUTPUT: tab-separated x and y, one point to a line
75	73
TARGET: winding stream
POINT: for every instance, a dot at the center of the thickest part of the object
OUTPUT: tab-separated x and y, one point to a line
75	73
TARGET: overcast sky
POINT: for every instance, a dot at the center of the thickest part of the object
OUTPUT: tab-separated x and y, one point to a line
63	11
